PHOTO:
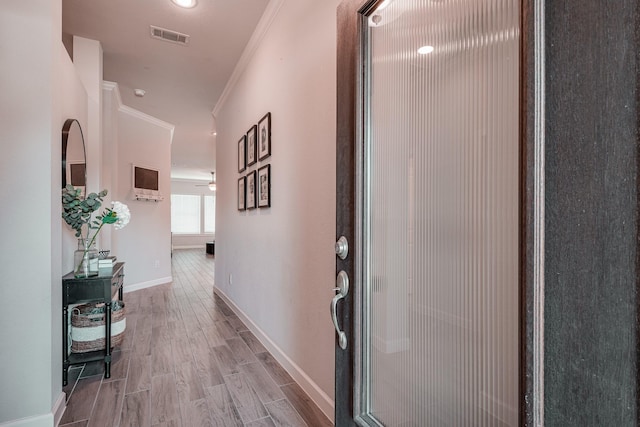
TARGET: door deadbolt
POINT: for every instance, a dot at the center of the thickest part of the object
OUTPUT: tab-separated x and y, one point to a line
342	247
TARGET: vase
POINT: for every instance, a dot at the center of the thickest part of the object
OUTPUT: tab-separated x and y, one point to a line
85	259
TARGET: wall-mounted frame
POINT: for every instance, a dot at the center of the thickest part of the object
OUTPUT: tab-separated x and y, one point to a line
264	186
264	137
145	183
242	194
252	145
242	153
251	190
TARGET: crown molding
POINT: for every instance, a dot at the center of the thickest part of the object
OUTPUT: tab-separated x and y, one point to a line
147	118
115	89
270	13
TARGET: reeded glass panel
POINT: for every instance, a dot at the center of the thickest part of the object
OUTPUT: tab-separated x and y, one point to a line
441	213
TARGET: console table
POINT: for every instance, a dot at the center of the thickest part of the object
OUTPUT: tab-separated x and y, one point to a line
100	288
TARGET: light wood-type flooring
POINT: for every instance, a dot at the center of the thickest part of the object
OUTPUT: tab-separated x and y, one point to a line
187	360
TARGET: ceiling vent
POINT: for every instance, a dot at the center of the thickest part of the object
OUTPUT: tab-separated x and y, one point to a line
168	35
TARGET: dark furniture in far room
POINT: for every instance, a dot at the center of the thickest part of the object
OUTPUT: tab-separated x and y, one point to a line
211	247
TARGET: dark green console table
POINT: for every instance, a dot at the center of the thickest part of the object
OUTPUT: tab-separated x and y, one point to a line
100	288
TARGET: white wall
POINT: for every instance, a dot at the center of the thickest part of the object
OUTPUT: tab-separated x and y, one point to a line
87	59
32	112
282	258
145	244
132	137
73	104
183	186
109	179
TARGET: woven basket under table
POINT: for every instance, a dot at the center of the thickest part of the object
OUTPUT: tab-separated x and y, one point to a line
87	329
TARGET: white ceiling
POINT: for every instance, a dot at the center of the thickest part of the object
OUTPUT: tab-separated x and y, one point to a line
182	83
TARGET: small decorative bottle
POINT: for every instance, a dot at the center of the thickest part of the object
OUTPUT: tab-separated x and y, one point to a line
85	259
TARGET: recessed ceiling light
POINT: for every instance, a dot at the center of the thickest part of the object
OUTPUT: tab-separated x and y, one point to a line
425	50
185	3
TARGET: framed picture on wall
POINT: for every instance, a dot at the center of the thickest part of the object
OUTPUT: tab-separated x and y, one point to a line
251	190
264	186
264	137
242	194
242	153
252	145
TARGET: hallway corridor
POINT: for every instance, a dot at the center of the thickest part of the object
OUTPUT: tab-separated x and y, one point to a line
187	360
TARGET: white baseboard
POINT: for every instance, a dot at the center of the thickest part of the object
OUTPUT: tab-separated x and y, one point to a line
144	285
45	420
319	397
59	408
202	246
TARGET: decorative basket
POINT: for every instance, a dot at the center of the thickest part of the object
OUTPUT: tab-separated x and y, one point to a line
88	327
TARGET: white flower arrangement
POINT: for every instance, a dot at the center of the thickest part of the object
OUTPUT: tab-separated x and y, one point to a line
122	214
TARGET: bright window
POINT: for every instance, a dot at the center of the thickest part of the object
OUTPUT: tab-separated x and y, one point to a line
193	214
185	213
209	214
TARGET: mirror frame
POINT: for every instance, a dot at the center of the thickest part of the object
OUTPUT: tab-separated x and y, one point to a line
66	129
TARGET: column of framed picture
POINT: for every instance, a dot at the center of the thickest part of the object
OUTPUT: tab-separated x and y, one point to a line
254	187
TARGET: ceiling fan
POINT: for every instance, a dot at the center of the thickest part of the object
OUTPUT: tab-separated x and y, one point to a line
211	184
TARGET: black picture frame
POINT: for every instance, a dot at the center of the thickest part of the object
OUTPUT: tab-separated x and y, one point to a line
242	153
242	194
264	187
252	145
264	137
251	190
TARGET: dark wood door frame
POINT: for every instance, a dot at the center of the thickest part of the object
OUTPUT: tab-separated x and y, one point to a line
346	121
528	231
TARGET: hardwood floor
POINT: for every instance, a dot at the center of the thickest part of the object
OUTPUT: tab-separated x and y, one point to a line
187	360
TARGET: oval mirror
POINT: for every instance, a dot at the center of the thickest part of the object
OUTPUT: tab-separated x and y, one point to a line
74	160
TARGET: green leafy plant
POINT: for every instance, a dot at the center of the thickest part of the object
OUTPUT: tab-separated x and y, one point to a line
77	211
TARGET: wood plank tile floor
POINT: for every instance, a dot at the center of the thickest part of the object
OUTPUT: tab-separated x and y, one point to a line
187	360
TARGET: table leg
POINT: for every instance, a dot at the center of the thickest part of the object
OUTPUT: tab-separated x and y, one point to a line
65	334
107	340
121	285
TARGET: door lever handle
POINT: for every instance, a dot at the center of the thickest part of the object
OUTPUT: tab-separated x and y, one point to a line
342	288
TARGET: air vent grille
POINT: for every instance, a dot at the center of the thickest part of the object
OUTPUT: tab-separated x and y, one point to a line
168	35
